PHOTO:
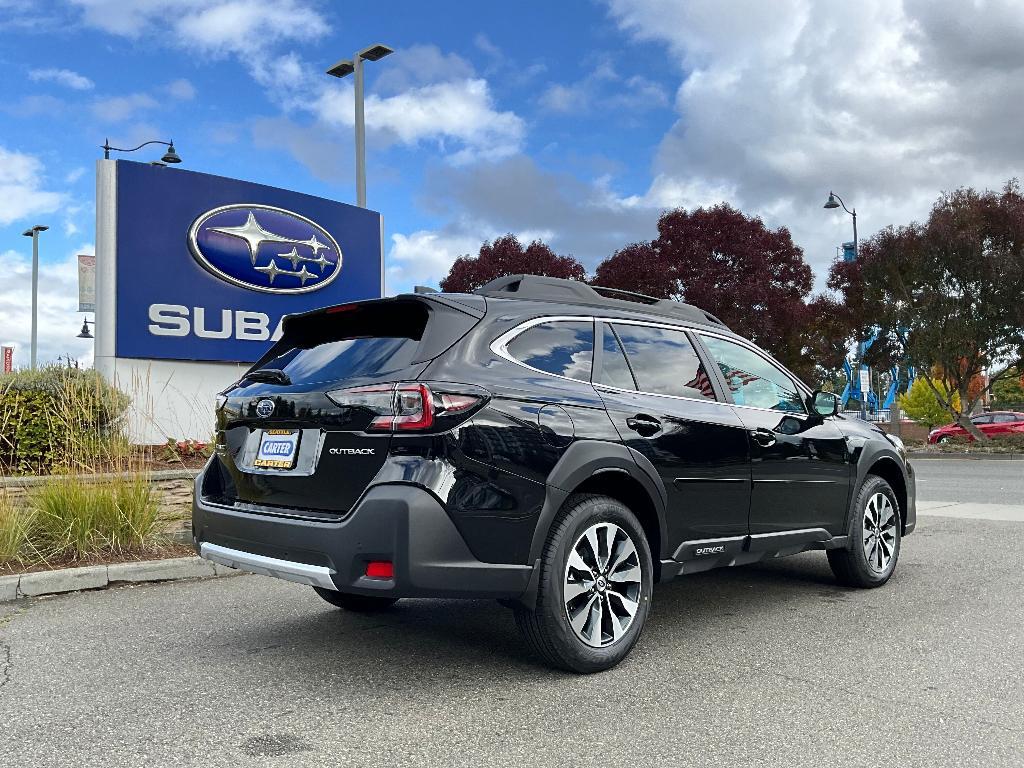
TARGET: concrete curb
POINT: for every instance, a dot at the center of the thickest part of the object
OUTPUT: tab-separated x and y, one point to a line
967	456
100	576
28	481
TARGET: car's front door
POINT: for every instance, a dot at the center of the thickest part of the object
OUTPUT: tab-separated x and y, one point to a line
665	406
801	465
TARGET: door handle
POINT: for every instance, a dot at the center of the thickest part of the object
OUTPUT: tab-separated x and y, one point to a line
644	424
763	437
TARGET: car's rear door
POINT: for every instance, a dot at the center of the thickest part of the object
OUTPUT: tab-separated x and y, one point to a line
666	407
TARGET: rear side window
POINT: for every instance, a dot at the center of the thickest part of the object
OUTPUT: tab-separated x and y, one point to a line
664	362
562	347
361	340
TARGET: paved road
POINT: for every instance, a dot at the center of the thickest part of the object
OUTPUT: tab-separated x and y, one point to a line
991	481
764	665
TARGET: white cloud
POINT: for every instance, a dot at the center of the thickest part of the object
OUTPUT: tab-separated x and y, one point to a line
887	102
58	321
181	90
247	26
240	27
64	77
21	193
417	65
114	109
459	117
603	88
424	257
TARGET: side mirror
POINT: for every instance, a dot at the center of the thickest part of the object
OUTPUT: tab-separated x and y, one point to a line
824	403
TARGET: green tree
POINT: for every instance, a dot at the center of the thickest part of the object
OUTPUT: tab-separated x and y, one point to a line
921	404
946	294
1010	389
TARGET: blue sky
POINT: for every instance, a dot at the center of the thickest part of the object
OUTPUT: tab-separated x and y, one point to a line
577	122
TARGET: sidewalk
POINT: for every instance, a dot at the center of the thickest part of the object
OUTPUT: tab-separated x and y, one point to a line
972	510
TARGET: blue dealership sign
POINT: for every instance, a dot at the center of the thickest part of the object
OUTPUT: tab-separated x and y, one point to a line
207	266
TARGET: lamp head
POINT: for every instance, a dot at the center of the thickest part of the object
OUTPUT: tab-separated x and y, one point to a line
342	69
831	202
170	156
85	333
375	52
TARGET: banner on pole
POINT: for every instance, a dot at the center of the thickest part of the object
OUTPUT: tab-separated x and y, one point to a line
86	283
8	359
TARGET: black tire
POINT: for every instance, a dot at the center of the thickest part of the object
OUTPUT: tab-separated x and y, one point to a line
851	564
944	439
547	629
355	603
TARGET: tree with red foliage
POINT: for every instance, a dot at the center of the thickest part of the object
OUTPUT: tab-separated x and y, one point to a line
507	256
638	268
753	278
946	295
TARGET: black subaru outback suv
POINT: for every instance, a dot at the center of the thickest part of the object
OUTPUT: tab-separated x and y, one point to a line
557	446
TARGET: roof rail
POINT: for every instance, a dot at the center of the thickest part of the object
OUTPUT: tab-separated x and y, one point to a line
542	288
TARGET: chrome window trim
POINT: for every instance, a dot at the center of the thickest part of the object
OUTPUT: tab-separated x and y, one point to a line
500	344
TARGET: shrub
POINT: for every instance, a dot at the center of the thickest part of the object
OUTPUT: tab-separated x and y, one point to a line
58	417
15	524
75	518
921	405
1012	443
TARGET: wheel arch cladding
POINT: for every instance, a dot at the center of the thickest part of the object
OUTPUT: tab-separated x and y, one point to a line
889	470
623	487
612	469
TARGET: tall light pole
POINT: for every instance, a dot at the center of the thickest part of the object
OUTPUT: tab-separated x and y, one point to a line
347	67
830	204
34	234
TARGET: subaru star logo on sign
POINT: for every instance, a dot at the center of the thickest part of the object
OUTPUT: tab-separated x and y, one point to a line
265	248
207	267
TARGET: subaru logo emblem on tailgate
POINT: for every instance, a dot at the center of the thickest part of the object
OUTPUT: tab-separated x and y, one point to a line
264	408
265	248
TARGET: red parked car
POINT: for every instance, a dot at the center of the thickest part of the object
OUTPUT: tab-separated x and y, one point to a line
992	424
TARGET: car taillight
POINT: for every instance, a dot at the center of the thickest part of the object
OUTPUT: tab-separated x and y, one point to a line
404	407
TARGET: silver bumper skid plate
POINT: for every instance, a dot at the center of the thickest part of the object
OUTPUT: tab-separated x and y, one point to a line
311	575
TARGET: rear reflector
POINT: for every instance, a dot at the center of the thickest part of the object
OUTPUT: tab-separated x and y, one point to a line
380	569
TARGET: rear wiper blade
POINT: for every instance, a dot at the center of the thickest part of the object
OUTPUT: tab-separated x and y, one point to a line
269	376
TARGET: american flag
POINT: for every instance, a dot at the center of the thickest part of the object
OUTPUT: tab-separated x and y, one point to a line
734	378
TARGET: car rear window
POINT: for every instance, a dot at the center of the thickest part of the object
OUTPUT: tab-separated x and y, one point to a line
363	340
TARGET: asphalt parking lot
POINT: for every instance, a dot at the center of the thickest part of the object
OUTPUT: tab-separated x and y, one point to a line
771	664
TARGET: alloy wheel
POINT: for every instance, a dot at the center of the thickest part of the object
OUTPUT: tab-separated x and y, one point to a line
602	585
880	523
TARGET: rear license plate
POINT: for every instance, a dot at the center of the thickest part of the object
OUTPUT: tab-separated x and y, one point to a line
278	449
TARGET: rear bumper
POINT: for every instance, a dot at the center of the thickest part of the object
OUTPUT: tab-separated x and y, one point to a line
401	523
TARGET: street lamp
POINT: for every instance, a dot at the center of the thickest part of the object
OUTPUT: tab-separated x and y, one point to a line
170	156
344	68
85	332
831	203
34	234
